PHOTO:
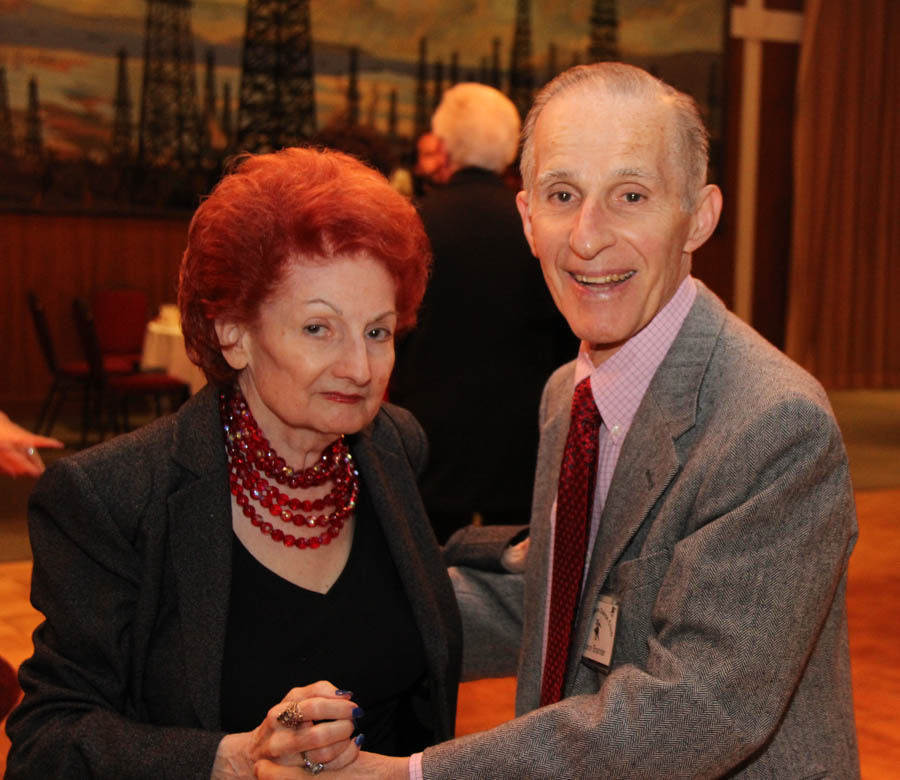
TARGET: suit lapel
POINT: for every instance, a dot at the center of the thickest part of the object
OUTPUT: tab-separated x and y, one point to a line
538	574
200	537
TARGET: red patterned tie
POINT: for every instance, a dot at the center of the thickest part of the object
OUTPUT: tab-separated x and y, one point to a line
574	502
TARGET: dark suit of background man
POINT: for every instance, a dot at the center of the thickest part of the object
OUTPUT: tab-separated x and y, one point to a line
722	517
488	334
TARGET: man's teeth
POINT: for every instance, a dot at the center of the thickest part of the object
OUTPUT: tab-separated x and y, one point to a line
608	279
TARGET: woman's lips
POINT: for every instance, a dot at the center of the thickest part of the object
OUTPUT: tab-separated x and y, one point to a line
344	398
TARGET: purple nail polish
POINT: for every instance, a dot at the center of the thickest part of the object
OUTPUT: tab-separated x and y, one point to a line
359	740
357	713
343	693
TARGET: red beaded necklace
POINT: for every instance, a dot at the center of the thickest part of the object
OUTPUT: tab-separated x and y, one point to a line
250	456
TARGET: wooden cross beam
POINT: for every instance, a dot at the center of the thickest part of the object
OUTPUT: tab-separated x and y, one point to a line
754	24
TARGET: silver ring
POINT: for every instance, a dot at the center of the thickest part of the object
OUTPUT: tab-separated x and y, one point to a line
310	767
291	716
30	452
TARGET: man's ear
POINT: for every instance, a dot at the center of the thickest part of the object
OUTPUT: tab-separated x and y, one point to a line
233	341
705	217
522	205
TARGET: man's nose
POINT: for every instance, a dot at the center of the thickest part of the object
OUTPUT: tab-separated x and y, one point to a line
591	233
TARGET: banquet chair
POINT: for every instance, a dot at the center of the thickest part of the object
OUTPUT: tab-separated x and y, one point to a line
120	318
112	392
74	375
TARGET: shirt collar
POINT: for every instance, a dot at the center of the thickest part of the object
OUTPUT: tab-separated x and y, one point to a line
620	382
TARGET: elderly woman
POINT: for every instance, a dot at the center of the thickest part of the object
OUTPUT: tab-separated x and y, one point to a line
204	576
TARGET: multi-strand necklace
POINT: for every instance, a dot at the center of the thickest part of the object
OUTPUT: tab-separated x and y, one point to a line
253	466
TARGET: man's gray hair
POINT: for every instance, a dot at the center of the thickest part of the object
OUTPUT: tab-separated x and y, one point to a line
691	139
478	125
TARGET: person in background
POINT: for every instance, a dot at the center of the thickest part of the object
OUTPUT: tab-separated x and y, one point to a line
430	166
682	609
459	372
19	449
204	578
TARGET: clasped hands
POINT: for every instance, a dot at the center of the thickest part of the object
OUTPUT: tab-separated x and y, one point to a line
307	732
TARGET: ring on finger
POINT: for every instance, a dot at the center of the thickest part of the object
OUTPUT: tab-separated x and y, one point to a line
312	768
291	716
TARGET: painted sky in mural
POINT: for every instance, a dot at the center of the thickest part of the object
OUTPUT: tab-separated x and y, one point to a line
70	47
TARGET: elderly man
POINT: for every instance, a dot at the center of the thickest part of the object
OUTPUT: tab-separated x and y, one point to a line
683	610
454	370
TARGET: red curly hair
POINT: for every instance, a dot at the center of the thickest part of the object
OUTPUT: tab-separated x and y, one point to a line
298	204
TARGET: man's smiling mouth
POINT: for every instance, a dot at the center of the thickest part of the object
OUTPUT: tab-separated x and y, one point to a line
606	279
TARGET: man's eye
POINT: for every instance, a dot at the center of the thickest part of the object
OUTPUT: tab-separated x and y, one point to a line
562	197
313	329
633	197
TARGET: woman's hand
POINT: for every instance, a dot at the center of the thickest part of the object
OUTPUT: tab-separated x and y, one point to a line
316	729
368	766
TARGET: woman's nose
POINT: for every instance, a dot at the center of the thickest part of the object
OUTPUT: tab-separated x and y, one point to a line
353	363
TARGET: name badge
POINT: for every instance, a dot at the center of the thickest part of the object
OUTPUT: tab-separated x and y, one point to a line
602	637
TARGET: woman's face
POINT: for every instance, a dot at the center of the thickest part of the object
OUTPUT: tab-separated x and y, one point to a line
317	361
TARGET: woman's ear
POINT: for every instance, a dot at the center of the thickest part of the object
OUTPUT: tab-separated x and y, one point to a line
705	217
233	342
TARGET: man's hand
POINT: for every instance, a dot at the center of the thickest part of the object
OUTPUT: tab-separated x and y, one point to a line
514	558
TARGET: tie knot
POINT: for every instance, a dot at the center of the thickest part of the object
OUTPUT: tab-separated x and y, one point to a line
584	409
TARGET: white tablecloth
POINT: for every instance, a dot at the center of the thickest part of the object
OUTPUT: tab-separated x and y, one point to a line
164	348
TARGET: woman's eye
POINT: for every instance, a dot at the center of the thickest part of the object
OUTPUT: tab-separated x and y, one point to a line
379	334
313	329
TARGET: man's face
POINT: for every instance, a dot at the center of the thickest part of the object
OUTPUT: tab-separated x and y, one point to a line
604	214
430	157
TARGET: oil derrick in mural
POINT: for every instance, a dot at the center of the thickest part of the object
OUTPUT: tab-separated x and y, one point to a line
521	69
494	77
7	143
552	68
604	32
453	75
34	134
437	87
353	87
420	122
208	116
169	124
120	148
392	116
277	101
227	117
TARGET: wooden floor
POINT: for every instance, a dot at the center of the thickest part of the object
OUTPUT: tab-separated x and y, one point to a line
873	602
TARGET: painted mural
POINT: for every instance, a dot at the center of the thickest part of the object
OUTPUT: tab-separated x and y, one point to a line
132	106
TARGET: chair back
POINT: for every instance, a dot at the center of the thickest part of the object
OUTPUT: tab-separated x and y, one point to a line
87	335
120	318
39	317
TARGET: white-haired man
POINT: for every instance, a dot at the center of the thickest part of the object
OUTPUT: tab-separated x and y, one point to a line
683	611
453	372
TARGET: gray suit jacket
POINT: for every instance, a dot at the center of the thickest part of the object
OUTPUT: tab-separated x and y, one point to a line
725	536
132	549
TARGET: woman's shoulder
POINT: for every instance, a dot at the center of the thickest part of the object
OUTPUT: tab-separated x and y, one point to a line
397	429
138	462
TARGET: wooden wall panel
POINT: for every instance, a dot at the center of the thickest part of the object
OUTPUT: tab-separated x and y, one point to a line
61	257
